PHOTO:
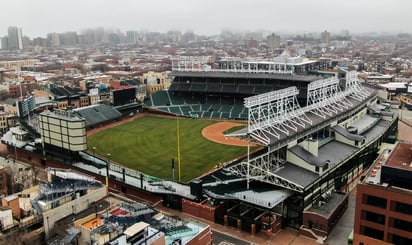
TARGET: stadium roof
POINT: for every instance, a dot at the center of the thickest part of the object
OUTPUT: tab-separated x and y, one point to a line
243	75
316	123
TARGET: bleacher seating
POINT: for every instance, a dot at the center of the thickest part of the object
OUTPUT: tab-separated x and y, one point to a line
148	101
177	86
97	114
160	98
186	109
195	107
213	88
243	116
175	110
245	89
204	99
260	89
198	87
225	115
214	107
236	110
206	114
216	114
229	88
225	108
177	100
205	107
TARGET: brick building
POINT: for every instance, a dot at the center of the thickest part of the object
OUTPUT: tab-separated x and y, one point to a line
384	200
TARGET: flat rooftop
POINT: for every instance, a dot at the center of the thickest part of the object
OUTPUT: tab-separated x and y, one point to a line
328	208
401	157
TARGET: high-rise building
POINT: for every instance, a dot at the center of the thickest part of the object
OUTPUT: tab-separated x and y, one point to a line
5	42
383	213
325	37
26	42
273	41
131	37
53	39
15	38
68	39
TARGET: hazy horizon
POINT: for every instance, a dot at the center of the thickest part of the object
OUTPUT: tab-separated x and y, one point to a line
37	18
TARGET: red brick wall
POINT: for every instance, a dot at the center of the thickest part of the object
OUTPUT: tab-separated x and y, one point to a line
14	205
327	223
198	210
390	195
133	192
316	218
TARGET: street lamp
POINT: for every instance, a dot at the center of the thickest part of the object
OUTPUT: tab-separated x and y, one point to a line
94	154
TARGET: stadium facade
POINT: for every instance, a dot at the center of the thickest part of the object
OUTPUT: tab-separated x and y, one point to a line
318	135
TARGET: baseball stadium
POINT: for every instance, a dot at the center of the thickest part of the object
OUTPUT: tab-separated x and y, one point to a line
257	145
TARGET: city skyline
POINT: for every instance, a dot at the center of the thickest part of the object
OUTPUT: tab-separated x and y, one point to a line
37	18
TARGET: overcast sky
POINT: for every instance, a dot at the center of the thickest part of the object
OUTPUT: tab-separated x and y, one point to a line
39	17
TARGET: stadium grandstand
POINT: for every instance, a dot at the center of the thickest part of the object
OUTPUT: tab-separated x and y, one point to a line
198	90
97	114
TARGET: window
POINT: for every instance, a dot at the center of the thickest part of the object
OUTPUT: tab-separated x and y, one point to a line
374	233
374	217
403	208
402	225
376	201
401	240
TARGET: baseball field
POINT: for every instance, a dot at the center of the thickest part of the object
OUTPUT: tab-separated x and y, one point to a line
149	144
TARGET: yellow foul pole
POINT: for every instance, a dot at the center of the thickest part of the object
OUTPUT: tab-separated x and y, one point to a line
178	146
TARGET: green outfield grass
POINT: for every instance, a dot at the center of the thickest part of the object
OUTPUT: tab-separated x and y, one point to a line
148	144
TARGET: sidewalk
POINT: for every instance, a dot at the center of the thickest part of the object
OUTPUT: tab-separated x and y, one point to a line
283	237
